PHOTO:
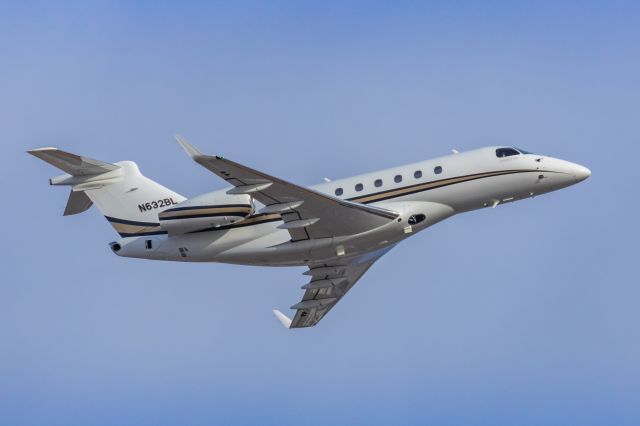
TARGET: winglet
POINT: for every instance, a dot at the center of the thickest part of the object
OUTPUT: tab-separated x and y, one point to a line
188	148
286	322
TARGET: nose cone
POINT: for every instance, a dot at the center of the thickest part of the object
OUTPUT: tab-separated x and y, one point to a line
580	173
563	174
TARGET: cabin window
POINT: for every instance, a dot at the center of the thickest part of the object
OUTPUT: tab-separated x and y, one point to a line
417	174
359	187
437	170
397	179
378	183
148	244
339	191
506	152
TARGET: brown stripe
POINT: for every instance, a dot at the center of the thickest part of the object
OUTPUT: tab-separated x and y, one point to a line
123	228
203	212
251	220
393	193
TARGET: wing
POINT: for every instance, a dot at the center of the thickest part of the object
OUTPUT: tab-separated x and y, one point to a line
307	214
329	283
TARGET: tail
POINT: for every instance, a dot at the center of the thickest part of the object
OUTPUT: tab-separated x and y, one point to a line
130	201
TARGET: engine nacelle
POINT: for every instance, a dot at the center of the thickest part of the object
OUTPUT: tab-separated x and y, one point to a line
211	210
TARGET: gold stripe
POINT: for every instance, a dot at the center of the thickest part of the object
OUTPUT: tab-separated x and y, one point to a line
123	228
213	210
251	220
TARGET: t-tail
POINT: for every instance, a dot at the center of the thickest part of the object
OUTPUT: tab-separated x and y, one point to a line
130	201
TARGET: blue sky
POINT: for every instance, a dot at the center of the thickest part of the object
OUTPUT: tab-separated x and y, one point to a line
526	314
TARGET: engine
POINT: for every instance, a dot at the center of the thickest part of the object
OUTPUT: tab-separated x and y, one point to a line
212	210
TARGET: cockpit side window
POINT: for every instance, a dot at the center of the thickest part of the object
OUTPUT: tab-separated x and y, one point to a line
522	151
506	152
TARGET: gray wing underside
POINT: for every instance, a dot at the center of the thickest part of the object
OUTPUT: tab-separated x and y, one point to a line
328	284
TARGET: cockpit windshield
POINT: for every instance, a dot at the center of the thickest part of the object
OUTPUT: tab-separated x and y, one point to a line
507	152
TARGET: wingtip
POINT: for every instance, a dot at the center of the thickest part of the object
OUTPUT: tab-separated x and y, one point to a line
188	148
284	320
35	151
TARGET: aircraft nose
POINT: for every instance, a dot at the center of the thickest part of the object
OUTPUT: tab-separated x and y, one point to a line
580	172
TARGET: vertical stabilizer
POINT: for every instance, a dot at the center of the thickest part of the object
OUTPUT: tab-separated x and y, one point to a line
129	200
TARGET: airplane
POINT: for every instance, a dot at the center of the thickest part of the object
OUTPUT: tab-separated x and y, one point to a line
336	229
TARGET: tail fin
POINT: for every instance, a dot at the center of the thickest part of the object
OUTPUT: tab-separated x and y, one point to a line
130	201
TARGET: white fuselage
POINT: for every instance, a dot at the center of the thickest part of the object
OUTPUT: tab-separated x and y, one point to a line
434	190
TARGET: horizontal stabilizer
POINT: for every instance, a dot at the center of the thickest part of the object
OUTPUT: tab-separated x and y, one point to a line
75	165
78	202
